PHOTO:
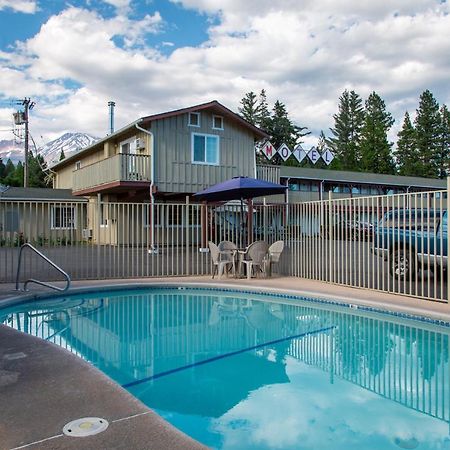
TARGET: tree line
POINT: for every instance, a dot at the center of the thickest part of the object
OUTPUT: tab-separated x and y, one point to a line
12	175
359	137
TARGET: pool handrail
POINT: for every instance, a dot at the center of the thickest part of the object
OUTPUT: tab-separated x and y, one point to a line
32	280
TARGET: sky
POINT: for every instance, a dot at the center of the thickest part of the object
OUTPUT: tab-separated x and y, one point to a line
152	56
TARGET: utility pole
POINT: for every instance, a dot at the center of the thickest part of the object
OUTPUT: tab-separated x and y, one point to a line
22	119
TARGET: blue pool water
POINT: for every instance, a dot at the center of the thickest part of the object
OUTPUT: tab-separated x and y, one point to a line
247	371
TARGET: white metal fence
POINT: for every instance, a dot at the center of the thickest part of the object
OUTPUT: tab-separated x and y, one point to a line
395	243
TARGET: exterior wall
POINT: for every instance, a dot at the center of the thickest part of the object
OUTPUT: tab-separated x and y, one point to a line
64	178
32	222
174	170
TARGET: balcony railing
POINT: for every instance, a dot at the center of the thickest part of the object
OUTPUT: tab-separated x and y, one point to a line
117	168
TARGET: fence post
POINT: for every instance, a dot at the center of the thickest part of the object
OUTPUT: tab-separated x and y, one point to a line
448	241
329	233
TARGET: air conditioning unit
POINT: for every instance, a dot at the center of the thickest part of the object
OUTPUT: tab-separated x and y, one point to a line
140	143
86	233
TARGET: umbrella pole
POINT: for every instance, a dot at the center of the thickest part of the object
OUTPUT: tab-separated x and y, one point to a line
242	222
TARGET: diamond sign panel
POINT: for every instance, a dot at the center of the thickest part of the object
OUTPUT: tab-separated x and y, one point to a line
284	152
299	153
313	155
327	156
268	150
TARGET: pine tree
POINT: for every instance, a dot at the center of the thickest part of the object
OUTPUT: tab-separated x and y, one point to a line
37	175
62	155
348	123
427	125
249	108
14	174
407	155
375	148
263	113
443	153
2	170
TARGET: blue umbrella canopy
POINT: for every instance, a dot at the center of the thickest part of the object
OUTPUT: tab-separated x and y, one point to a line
239	188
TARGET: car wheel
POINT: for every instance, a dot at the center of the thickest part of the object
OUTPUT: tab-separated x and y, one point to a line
403	264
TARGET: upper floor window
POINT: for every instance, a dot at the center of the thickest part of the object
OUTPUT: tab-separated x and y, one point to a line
194	119
217	123
205	149
78	165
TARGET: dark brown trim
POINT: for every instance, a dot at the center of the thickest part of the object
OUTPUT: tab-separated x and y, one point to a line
112	185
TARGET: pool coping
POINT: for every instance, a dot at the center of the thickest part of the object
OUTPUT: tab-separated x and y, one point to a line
409	312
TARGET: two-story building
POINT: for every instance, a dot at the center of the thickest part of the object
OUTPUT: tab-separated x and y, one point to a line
169	155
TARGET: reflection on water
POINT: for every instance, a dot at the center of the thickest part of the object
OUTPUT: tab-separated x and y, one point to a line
240	372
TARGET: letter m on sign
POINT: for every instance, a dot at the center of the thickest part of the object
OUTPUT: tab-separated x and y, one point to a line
268	150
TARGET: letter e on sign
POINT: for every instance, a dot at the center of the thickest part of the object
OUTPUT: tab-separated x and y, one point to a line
268	150
313	155
284	152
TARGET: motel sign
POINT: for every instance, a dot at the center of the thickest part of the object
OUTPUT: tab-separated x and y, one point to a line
299	153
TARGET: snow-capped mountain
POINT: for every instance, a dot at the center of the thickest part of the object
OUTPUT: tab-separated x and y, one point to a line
70	143
11	150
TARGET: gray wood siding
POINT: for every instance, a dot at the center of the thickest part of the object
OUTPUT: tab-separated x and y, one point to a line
174	171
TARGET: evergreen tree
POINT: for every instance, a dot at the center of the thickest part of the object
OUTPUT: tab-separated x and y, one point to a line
407	155
249	107
263	113
36	170
62	155
14	175
2	170
443	153
427	125
375	148
348	123
282	130
9	168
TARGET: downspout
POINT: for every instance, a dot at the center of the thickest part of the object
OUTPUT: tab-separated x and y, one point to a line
152	183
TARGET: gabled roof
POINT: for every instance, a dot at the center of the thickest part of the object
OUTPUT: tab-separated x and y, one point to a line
215	106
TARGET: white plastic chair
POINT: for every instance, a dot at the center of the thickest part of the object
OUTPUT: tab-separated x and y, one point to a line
254	257
273	256
220	259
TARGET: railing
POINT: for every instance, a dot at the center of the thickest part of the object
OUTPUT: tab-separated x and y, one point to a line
32	280
268	173
396	244
121	167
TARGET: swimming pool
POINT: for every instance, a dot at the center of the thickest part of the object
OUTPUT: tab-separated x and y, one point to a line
239	370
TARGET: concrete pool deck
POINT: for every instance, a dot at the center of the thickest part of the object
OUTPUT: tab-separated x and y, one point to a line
43	387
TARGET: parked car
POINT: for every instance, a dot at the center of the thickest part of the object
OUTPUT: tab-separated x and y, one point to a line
411	240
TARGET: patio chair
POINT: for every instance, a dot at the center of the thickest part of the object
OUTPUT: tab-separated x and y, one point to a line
220	259
273	256
254	257
231	248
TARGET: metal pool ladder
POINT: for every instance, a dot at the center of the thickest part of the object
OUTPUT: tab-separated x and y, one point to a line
32	280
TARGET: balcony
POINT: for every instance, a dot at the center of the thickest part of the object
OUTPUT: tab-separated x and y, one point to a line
113	174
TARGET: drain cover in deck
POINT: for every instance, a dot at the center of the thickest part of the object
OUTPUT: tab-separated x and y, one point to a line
87	426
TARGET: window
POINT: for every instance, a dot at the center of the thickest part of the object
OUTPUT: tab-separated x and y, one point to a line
205	149
78	165
62	218
217	123
194	119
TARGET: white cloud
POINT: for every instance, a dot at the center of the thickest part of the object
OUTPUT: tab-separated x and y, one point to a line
304	53
23	6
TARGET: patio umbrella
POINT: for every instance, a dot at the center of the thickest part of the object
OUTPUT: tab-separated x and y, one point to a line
240	188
